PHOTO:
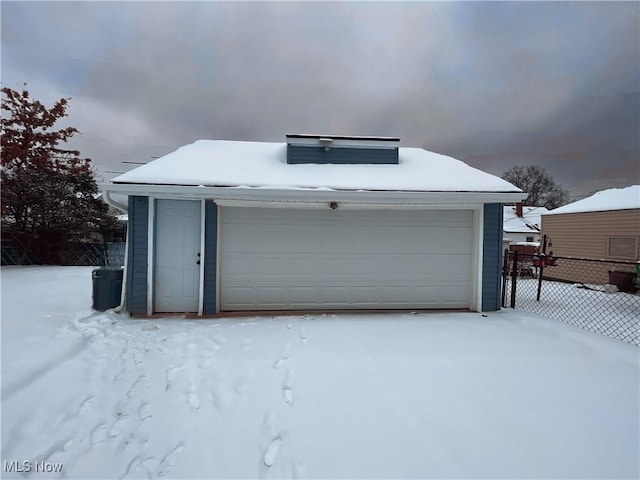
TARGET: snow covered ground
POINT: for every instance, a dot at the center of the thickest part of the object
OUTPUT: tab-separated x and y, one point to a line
438	395
614	314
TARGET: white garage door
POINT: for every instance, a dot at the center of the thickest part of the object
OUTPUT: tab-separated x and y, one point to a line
296	259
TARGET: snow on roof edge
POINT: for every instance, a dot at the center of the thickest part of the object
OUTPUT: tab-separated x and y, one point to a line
263	165
309	189
612	199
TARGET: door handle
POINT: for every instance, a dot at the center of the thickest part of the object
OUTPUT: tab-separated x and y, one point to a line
198	262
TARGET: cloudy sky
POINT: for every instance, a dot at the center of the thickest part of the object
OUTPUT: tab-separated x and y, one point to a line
493	84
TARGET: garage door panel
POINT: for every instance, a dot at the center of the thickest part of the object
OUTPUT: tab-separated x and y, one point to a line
449	301
382	267
434	297
302	217
409	240
237	295
313	259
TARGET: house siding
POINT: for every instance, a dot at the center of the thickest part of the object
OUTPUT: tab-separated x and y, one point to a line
210	257
309	154
491	257
584	235
136	292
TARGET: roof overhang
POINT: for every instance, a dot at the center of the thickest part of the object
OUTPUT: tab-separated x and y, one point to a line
309	197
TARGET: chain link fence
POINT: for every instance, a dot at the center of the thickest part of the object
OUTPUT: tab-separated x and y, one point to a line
598	295
72	253
115	254
11	256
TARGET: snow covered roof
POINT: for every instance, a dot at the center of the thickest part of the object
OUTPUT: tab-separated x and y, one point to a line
527	244
528	223
605	200
221	163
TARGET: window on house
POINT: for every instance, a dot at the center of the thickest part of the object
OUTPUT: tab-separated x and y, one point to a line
622	247
530	239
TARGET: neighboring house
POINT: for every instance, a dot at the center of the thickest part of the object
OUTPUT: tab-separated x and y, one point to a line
603	226
120	233
522	224
316	223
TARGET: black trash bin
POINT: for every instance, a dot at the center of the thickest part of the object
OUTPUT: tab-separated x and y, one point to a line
625	281
107	285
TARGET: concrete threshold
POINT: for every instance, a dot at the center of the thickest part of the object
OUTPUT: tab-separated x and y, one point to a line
289	313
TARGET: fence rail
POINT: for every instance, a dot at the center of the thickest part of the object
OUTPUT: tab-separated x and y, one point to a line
598	295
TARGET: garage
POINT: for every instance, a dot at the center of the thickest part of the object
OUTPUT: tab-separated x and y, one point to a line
305	259
318	222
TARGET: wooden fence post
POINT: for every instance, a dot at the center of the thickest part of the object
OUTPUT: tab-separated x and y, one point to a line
543	258
539	282
514	279
505	275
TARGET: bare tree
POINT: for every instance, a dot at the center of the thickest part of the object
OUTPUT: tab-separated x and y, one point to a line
539	184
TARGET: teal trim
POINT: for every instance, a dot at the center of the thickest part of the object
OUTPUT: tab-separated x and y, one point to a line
210	256
338	155
491	257
136	291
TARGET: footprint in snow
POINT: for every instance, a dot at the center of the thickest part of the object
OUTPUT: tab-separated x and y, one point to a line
134	386
271	452
124	444
272	437
244	380
218	342
171	375
98	434
143	412
285	356
303	336
192	398
287	388
117	426
150	464
168	462
287	394
86	405
223	396
135	462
